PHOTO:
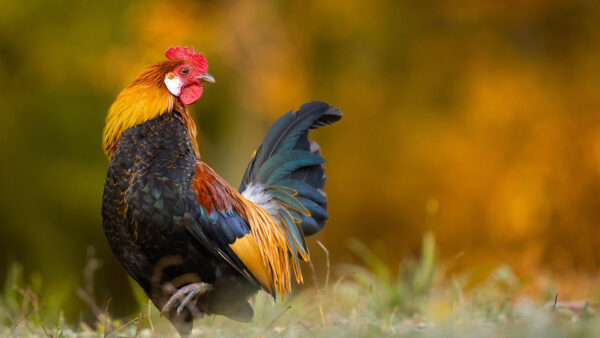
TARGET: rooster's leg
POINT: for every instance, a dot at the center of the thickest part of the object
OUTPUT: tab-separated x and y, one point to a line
184	295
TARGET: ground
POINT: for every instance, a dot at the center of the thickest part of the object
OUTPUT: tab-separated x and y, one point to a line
423	300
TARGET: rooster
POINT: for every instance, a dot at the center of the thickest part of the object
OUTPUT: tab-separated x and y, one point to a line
195	244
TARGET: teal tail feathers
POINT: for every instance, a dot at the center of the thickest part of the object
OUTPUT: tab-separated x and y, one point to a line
286	175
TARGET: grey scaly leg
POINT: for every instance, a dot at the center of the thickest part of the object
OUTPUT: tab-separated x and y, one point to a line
184	295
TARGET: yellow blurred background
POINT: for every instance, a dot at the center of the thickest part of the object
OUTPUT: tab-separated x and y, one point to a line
477	120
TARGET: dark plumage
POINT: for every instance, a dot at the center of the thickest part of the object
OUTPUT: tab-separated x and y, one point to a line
194	244
148	201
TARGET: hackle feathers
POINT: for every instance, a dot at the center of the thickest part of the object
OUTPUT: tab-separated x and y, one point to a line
145	98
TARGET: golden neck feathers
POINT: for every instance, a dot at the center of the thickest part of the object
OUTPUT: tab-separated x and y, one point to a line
144	99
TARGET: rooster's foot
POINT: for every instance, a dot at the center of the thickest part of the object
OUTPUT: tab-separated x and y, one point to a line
184	295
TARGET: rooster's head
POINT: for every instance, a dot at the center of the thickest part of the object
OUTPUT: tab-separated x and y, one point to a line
185	80
163	87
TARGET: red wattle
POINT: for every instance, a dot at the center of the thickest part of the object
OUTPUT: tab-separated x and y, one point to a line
191	93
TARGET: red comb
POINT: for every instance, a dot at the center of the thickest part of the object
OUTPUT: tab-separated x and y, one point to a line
188	54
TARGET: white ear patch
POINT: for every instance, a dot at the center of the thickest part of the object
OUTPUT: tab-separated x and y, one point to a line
173	83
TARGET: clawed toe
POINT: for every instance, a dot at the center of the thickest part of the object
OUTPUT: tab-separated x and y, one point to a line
185	295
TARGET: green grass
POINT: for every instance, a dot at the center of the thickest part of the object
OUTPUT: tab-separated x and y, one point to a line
422	300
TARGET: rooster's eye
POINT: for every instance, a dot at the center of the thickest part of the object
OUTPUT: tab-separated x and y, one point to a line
185	71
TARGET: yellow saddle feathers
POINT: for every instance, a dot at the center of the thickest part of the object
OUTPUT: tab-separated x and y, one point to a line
266	251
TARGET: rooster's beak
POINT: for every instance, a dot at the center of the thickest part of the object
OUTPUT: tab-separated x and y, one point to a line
206	78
